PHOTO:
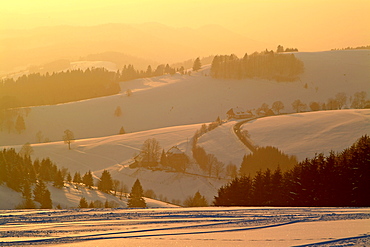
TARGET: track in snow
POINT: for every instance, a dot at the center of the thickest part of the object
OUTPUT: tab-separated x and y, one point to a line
219	226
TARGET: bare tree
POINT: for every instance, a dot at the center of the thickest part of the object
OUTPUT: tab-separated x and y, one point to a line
231	170
359	100
218	169
115	186
150	152
315	106
298	105
68	138
277	106
341	98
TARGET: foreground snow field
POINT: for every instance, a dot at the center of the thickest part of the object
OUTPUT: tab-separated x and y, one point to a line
187	227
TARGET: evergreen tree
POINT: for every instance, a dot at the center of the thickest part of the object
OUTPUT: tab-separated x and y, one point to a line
58	180
83	203
69	177
105	183
118	112
197	65
38	191
42	195
88	180
27	195
136	199
91	205
46	202
122	131
196	201
77	178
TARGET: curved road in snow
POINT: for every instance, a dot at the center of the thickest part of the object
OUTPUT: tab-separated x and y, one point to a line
240	135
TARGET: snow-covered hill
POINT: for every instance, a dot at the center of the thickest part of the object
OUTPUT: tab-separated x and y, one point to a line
70	195
172	108
181	100
305	134
301	134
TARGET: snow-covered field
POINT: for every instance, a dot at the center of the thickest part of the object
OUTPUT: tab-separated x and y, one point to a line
187	227
182	100
305	134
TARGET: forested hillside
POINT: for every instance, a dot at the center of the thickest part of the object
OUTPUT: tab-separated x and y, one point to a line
265	65
339	179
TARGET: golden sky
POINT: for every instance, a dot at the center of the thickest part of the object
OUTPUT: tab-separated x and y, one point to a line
304	23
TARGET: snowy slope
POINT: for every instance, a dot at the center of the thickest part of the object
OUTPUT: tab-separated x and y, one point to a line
172	108
69	197
305	134
301	134
178	100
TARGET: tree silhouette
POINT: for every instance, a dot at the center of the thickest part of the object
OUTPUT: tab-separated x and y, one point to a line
136	199
298	105
77	178
88	180
26	150
197	65
83	203
105	183
42	195
150	152
58	180
122	131
118	112
68	138
277	106
196	201
20	126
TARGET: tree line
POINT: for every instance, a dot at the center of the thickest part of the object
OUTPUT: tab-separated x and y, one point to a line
20	173
71	85
338	179
265	65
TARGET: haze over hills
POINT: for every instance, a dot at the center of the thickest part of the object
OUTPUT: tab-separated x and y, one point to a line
153	41
171	108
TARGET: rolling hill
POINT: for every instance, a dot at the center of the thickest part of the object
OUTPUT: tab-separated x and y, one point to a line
172	108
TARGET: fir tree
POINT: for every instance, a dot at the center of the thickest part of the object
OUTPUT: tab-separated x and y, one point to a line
105	183
27	195
39	190
88	180
46	202
196	201
58	180
118	112
83	203
136	199
122	131
77	178
197	65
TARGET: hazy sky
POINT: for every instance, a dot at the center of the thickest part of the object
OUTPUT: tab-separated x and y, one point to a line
306	23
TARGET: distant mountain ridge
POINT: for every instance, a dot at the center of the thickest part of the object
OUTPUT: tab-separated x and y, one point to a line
153	41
